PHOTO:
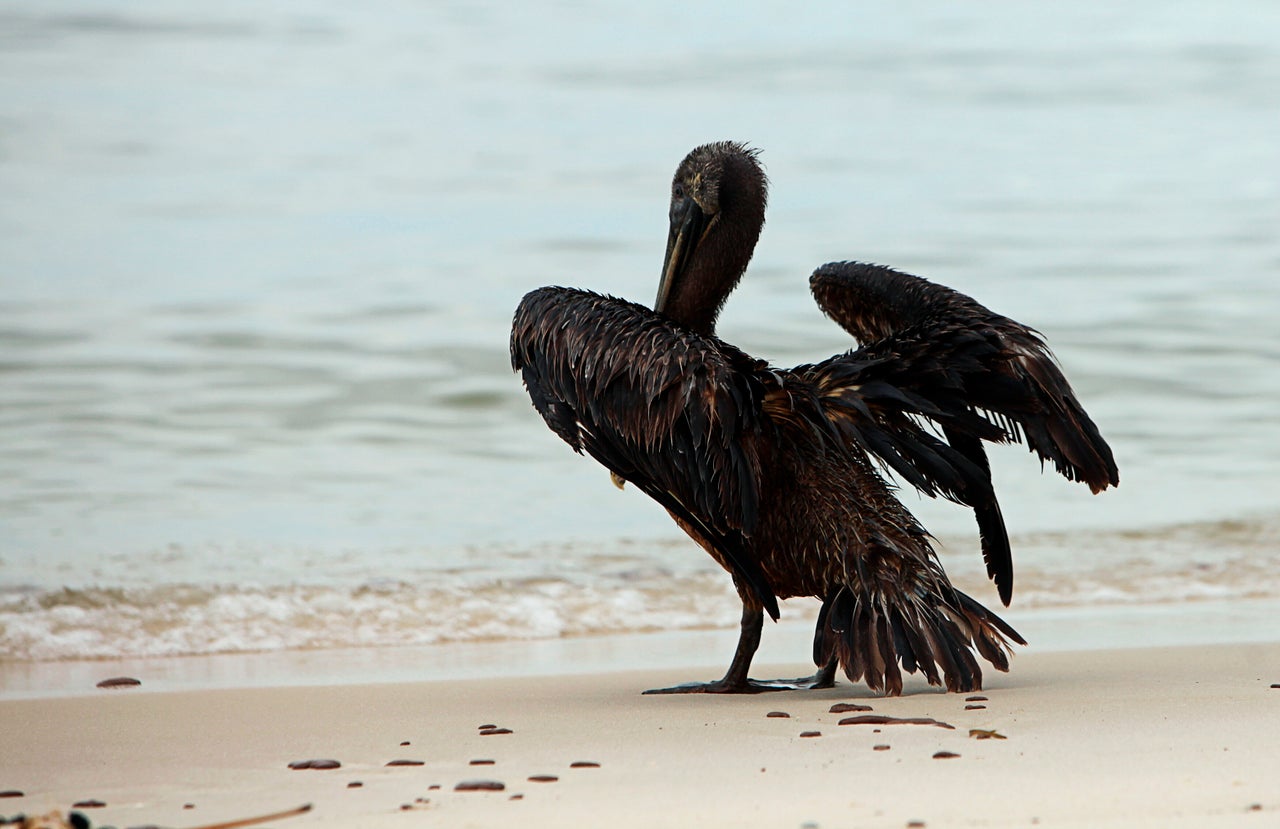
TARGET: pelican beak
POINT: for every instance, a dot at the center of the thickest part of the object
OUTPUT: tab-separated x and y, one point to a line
617	479
687	225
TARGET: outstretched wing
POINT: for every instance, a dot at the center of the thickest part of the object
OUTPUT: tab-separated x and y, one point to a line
932	353
673	413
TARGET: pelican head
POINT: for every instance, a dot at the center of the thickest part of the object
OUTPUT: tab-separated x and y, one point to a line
718	198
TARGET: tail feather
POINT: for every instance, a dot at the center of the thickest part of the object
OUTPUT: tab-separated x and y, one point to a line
935	630
888	657
945	650
990	642
923	650
869	637
906	653
990	650
958	641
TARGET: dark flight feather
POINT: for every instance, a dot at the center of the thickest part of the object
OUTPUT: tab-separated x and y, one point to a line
965	360
929	352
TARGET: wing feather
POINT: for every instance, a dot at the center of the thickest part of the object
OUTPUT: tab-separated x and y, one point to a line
967	359
676	414
931	355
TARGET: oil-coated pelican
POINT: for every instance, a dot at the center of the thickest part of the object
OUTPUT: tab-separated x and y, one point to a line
771	470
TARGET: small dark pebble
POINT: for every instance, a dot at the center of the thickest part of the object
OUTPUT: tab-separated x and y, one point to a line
482	762
915	824
810	733
880	747
354	784
974	707
778	714
489	732
944	755
1275	685
479	786
404	742
584	764
543	778
516	797
423	800
406	763
976	698
188	805
120	682
1256	807
879	719
433	787
846	707
321	765
486	726
88	804
12	793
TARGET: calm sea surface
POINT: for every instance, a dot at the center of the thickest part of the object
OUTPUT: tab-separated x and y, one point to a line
258	262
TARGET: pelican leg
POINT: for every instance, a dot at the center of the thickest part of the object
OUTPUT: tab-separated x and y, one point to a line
824	678
735	680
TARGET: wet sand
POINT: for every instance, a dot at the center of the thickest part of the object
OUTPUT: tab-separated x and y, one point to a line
1170	737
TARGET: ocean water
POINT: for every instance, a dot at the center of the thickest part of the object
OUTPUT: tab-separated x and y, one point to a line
258	263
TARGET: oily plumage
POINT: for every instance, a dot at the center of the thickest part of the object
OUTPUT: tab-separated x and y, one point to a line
969	360
774	471
689	439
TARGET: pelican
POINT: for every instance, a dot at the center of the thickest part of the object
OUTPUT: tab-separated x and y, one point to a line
778	473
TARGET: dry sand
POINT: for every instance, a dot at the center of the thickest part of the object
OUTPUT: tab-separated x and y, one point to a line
1168	737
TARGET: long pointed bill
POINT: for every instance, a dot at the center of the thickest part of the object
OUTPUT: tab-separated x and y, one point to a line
685	233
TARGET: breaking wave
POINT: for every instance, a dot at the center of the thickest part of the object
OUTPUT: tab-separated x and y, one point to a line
635	591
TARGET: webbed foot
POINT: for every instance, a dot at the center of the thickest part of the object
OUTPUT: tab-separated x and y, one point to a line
723	686
824	678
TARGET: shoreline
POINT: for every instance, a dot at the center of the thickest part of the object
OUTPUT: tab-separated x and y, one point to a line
1048	630
1157	736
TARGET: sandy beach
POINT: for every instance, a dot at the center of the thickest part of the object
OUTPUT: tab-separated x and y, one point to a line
263	449
1161	736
